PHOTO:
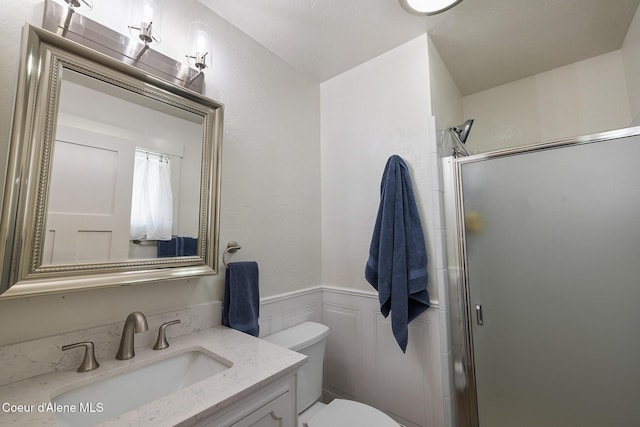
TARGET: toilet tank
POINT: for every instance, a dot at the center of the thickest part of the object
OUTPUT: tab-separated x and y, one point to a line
310	339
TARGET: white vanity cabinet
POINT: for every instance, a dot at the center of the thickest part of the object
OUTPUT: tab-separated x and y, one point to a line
272	406
257	388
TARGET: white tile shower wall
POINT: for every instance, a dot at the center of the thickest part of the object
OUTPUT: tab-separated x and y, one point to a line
36	357
447	109
435	153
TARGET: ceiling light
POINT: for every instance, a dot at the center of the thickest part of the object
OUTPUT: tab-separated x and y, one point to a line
427	7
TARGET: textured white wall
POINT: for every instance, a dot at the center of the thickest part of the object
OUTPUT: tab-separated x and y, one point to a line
581	98
270	171
368	113
446	99
631	61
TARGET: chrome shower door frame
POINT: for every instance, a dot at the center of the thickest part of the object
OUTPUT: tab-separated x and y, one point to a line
461	313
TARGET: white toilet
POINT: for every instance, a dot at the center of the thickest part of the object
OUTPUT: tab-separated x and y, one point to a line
310	339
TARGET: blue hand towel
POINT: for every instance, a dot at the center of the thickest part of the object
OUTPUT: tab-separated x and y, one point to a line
177	246
241	306
397	264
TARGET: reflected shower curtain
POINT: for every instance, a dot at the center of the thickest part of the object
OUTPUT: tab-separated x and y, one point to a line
152	199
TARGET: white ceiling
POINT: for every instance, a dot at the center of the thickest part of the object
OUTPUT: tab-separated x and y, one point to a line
484	43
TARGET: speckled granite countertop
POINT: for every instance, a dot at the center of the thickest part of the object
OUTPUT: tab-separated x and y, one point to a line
255	363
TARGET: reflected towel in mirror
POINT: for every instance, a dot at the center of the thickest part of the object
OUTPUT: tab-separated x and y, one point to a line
178	246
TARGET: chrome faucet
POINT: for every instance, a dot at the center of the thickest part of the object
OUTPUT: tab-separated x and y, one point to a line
136	322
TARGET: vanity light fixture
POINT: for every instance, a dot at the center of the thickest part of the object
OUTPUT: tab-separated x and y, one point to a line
427	7
199	43
149	14
124	48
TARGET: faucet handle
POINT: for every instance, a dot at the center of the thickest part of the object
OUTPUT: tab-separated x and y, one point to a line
89	363
162	343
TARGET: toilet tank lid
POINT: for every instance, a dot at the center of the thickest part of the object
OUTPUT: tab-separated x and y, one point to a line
299	336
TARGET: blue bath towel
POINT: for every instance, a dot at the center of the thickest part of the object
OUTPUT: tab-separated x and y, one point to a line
177	246
397	264
241	306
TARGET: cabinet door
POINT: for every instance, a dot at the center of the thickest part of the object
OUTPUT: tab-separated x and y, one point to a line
274	414
274	405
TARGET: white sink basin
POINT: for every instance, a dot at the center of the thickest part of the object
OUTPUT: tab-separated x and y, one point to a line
107	398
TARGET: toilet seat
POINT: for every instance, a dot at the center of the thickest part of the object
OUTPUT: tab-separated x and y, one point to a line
348	413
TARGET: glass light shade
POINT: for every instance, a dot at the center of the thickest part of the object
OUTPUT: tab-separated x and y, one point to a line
145	13
427	7
199	43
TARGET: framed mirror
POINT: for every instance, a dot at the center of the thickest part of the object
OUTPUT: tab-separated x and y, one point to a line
113	175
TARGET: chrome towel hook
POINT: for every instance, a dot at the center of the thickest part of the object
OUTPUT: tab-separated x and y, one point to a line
231	247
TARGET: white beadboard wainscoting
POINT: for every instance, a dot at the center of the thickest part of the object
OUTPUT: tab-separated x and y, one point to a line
363	361
285	310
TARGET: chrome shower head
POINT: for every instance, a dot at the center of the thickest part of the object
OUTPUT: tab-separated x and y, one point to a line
462	131
460	134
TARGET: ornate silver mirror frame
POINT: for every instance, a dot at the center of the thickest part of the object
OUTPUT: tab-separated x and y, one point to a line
44	57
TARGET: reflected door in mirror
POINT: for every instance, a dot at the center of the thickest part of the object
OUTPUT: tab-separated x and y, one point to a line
89	203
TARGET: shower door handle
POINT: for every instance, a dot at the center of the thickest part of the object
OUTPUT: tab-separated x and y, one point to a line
479	318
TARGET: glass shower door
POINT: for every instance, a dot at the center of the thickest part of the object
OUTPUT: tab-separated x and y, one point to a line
553	264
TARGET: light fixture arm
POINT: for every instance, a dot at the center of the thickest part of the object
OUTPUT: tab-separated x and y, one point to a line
192	79
460	135
142	51
460	148
67	21
72	5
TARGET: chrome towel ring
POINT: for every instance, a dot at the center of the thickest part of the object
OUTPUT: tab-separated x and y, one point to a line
232	247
